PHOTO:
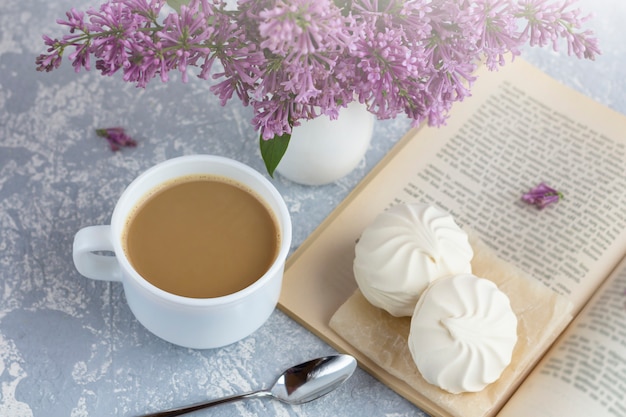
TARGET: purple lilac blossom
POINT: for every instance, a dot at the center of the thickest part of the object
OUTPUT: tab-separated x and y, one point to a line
293	60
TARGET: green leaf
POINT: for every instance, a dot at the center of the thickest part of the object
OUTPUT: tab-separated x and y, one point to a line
272	151
175	4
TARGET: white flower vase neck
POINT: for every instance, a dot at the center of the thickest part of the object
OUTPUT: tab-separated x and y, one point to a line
322	150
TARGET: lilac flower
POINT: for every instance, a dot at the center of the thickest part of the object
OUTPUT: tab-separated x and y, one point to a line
185	35
145	61
495	31
547	22
117	138
52	60
302	27
542	196
293	60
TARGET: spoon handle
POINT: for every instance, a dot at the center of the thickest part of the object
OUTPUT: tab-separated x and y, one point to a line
206	404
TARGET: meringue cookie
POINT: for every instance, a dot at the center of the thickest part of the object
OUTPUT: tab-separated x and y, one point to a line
405	249
463	332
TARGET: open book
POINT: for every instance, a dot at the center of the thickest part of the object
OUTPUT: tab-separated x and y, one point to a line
519	128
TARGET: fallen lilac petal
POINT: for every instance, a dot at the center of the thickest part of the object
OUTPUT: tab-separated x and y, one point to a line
117	138
542	196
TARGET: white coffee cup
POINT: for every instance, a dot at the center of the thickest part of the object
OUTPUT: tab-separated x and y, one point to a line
198	323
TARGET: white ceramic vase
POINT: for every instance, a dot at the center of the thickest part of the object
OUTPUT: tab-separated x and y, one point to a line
322	150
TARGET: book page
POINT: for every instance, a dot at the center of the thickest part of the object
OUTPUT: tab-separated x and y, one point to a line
519	128
522	134
584	374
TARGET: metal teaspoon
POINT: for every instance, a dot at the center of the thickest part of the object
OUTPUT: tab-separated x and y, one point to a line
297	385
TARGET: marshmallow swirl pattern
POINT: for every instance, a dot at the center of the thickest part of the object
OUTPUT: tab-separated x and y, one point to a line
462	333
405	249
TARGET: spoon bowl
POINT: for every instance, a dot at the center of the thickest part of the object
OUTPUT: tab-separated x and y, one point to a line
313	379
297	385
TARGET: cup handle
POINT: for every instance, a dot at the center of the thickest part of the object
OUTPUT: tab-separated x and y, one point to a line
90	264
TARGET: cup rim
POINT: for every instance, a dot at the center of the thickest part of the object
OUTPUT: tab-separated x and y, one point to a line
280	211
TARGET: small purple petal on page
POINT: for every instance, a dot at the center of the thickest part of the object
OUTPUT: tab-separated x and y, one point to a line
542	196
